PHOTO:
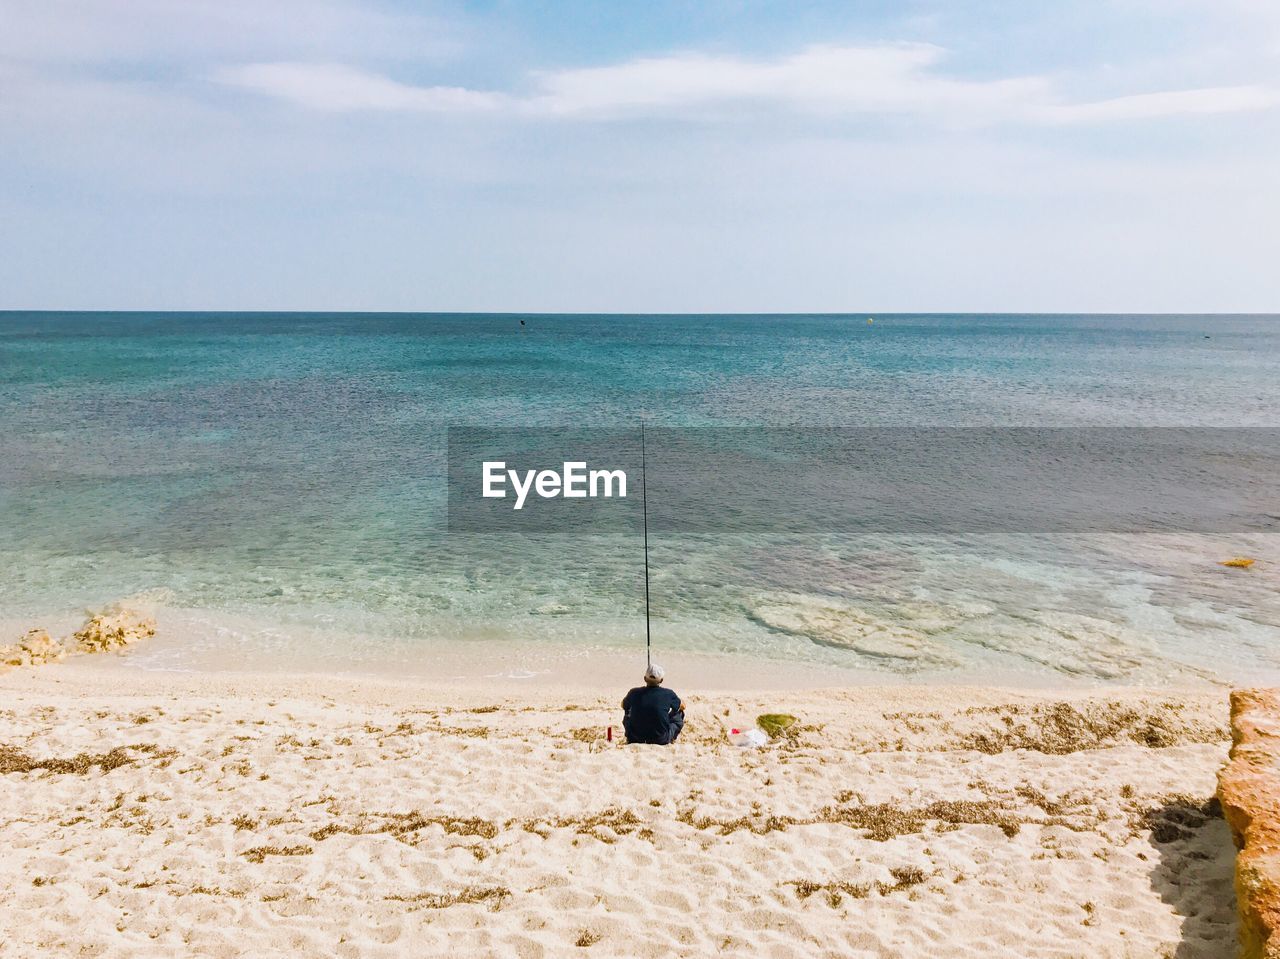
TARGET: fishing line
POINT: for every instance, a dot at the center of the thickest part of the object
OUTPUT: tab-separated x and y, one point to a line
644	506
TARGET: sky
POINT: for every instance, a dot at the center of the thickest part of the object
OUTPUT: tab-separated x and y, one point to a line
657	156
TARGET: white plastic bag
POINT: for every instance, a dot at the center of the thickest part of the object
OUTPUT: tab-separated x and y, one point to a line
748	738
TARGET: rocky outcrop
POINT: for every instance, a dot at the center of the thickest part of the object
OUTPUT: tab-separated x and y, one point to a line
113	629
1249	789
33	649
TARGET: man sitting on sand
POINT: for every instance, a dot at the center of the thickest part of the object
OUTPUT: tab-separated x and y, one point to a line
651	714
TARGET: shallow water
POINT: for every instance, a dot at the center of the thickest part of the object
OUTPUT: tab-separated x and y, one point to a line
288	470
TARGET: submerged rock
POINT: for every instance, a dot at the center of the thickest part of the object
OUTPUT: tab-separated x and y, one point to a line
1238	562
553	609
901	636
1249	789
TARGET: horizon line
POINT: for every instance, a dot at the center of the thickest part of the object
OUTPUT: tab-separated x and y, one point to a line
635	313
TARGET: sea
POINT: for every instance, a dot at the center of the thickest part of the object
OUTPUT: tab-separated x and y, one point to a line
277	488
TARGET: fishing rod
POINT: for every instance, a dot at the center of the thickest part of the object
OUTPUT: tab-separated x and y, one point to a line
644	507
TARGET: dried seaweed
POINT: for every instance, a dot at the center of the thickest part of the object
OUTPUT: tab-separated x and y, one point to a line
1061	728
258	853
494	895
834	892
14	760
402	826
882	821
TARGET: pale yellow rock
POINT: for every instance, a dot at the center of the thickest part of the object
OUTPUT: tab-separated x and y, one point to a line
1249	789
35	648
113	629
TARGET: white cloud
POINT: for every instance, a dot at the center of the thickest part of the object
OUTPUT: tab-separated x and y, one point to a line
338	88
1055	195
888	78
901	79
1146	106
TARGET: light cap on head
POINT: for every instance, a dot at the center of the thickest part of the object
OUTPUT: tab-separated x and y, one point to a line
654	674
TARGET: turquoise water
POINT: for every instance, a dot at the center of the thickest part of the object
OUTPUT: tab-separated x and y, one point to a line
287	471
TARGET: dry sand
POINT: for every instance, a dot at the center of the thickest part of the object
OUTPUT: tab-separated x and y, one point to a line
151	814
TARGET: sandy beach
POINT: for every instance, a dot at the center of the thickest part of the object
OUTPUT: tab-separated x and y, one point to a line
388	389
224	814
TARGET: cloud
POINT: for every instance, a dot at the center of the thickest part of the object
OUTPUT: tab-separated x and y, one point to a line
881	79
1147	106
888	78
338	88
900	79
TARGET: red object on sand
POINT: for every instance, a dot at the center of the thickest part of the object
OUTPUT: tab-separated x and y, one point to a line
608	734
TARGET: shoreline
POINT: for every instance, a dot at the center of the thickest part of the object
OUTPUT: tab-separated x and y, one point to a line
503	665
602	676
191	643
